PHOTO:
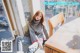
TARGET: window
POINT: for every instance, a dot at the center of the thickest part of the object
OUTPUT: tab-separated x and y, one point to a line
52	10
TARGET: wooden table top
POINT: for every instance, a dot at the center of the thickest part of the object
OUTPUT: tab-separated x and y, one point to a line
66	38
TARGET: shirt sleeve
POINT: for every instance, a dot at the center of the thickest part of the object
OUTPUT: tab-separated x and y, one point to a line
45	32
32	35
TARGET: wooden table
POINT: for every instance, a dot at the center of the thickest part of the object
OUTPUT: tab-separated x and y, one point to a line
66	39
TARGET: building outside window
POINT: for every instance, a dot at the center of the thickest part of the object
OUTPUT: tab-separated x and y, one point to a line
52	10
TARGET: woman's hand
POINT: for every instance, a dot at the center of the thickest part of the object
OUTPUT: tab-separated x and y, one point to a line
40	45
40	41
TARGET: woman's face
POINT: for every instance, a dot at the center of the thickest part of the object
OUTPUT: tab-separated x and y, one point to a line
38	17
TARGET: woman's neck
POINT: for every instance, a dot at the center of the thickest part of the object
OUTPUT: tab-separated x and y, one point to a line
35	22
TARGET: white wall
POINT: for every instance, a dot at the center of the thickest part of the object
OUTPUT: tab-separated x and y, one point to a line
21	12
36	5
26	5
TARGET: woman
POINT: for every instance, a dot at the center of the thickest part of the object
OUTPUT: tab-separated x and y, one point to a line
37	30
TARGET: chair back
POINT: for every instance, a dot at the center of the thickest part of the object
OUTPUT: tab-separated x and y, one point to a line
55	21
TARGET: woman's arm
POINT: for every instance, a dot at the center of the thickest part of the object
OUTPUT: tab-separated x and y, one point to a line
34	37
45	32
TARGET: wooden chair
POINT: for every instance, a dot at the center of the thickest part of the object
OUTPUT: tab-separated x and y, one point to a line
55	21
